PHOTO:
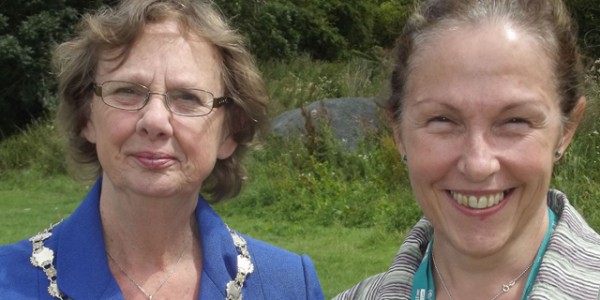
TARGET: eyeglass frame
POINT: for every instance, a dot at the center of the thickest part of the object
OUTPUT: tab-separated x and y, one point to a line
217	101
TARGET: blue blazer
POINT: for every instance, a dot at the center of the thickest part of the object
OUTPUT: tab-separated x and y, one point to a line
83	273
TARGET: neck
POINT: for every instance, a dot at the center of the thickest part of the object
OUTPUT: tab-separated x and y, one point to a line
465	274
150	230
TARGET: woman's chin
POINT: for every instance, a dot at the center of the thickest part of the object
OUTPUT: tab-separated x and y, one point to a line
479	244
155	186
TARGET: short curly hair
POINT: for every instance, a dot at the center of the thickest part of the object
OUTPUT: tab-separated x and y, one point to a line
548	21
117	28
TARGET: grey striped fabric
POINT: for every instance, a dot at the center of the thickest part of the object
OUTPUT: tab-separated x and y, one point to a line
570	267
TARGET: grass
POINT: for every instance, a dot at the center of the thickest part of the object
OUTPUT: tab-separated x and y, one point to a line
30	202
334	249
348	210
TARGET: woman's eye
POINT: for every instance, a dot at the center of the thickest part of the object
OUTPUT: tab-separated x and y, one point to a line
128	91
184	96
188	97
125	91
440	119
517	121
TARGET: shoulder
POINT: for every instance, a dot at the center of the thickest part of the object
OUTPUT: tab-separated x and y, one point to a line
18	278
571	263
572	224
396	282
284	271
366	289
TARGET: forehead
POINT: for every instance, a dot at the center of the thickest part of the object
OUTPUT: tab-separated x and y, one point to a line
162	47
448	60
496	40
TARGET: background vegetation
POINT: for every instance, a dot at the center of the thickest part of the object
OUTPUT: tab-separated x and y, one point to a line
348	210
277	30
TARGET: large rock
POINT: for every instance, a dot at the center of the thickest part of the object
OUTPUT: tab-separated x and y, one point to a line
349	119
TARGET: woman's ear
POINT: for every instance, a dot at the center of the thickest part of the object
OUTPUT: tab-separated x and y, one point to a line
227	147
571	125
89	132
396	131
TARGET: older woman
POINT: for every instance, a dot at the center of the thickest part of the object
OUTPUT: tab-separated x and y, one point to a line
159	100
485	99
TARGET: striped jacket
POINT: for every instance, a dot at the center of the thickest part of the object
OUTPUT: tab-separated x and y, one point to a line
570	267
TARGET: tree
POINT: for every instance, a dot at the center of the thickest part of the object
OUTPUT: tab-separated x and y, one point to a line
587	15
29	30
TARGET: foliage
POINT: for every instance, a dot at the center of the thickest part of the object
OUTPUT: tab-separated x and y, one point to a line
587	16
314	179
306	195
578	173
333	29
28	31
38	147
291	84
276	30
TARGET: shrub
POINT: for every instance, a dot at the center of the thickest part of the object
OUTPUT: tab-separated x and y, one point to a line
29	31
38	147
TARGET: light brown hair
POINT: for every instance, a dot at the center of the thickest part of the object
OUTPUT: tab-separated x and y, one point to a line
117	28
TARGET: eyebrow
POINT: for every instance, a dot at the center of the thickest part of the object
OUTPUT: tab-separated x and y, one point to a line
531	102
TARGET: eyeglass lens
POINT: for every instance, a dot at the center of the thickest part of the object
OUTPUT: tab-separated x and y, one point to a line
132	96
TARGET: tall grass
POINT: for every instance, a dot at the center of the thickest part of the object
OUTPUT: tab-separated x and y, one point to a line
39	147
578	173
301	81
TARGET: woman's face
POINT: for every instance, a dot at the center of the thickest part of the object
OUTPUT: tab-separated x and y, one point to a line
480	126
153	152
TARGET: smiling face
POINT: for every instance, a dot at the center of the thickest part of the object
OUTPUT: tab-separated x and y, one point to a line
480	126
153	152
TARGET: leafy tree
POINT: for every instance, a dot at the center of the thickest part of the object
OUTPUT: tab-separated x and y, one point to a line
587	15
324	29
29	29
275	29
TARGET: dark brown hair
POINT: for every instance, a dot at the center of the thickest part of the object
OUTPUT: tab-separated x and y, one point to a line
548	21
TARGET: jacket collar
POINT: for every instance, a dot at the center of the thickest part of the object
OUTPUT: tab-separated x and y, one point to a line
82	264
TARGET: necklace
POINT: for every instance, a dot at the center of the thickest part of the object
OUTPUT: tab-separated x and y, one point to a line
138	286
505	287
43	257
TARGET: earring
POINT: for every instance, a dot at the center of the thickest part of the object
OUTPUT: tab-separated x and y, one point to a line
557	154
404	157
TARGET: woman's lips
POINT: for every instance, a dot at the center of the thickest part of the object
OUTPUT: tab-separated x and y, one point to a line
152	160
479	201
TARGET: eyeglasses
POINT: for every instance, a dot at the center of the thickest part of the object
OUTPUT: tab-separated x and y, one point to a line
184	101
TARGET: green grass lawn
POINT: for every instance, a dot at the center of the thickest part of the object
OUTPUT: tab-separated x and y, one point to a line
342	256
29	202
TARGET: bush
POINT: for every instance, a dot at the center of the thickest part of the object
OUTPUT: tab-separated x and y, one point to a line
315	180
323	29
30	29
38	147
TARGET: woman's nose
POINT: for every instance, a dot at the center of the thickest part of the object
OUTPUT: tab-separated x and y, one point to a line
479	160
155	119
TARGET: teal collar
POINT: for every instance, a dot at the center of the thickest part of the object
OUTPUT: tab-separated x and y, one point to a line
423	284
